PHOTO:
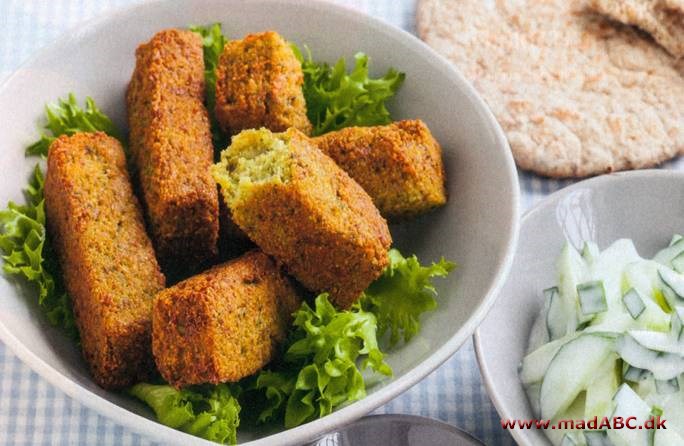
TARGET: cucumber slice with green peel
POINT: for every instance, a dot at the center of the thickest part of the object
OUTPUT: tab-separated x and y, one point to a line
667	437
678	263
663	365
658	341
665	256
599	394
673	286
592	297
675	239
572	270
629	404
597	438
556	315
677	323
590	252
571	370
633	303
534	365
643	277
533	391
568	441
610	322
634	374
667	387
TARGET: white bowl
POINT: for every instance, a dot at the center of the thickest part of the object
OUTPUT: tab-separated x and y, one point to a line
642	205
478	228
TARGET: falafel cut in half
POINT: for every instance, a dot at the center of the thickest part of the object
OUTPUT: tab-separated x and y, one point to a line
170	141
110	270
399	165
259	84
298	206
223	324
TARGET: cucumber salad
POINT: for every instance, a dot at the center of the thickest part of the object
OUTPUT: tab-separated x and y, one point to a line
609	342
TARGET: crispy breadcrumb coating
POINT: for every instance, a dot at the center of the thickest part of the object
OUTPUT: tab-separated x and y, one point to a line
298	206
259	84
109	265
171	146
223	324
399	165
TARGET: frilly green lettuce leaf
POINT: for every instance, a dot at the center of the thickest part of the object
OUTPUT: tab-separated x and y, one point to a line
209	412
66	117
402	294
26	253
24	242
213	42
320	368
336	99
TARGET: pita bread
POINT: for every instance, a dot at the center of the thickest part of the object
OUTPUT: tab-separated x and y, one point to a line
662	19
576	95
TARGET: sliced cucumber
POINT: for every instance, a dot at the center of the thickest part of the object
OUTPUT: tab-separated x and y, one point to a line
673	286
664	366
534	365
667	387
597	438
635	374
665	256
611	322
633	303
590	252
643	277
592	297
667	437
678	263
658	341
557	314
568	441
614	318
533	391
598	400
675	239
572	270
629	404
571	371
677	323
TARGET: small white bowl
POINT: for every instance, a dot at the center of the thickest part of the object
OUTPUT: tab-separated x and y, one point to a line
646	206
477	229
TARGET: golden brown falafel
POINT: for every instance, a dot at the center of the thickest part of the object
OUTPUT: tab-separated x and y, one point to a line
298	206
110	270
171	146
399	165
223	324
259	84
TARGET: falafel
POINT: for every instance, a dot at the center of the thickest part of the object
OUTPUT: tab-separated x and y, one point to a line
171	146
259	84
298	206
223	324
399	165
109	266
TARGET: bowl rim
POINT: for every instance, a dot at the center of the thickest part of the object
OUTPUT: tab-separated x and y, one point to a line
344	415
415	420
541	206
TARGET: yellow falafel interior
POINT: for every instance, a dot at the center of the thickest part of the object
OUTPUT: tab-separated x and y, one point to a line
254	157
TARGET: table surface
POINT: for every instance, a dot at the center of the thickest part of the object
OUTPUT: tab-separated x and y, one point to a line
32	411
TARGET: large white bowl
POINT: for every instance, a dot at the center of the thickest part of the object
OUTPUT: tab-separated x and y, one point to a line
478	228
645	206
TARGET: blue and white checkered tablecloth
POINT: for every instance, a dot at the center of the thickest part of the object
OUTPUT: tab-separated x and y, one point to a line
34	412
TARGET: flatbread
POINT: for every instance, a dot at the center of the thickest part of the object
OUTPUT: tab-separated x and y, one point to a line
662	19
577	95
